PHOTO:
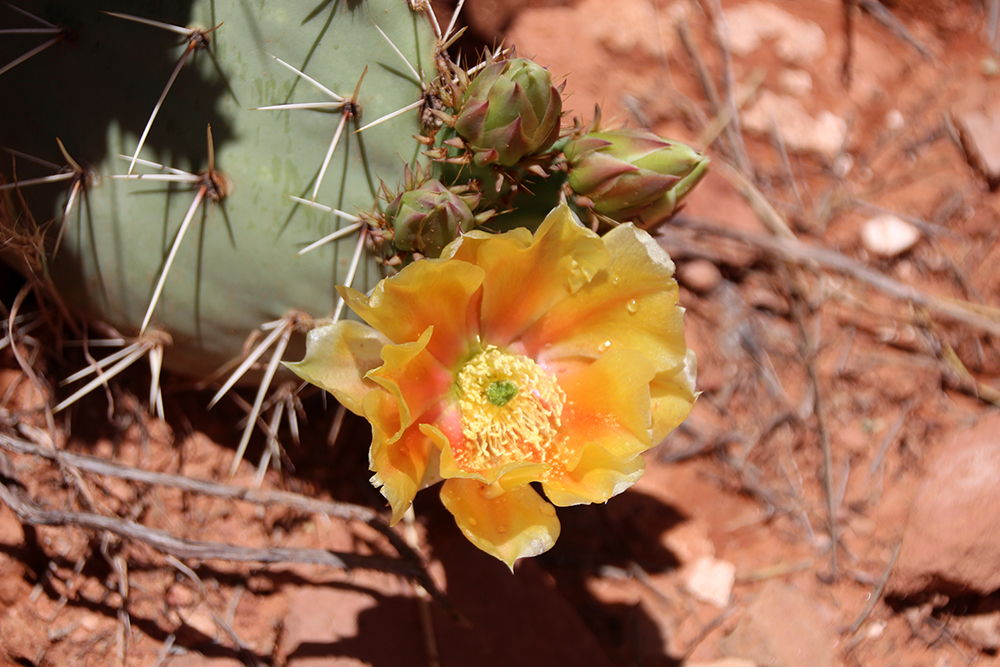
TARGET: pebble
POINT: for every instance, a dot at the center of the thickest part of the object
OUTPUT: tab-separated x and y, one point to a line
700	276
980	134
888	236
982	630
951	542
824	134
796	41
796	82
711	580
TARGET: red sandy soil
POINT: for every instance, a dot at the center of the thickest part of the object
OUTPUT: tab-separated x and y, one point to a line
788	356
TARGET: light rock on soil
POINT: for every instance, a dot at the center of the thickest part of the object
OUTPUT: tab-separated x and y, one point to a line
980	135
781	628
824	134
951	542
888	236
699	275
711	580
796	41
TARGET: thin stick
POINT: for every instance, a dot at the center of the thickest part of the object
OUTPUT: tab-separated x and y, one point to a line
170	258
895	26
30	513
108	468
877	593
793	250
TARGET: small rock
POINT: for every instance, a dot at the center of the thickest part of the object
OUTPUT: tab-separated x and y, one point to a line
951	542
797	82
894	120
989	66
824	134
982	630
796	41
980	134
711	580
888	236
700	276
781	628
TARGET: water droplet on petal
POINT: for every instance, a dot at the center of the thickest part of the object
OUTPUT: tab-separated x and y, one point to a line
603	347
471	521
502	529
633	306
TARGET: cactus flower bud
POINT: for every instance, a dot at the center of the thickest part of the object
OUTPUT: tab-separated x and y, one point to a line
628	172
428	217
510	110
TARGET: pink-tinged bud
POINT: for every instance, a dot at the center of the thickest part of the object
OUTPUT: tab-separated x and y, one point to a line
510	111
427	218
626	172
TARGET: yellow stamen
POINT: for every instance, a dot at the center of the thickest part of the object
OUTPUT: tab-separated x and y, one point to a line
511	411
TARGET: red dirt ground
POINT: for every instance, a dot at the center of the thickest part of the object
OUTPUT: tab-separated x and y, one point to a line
740	485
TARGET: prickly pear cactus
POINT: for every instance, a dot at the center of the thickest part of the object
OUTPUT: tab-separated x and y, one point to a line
226	189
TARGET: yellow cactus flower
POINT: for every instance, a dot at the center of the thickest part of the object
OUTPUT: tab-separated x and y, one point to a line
556	357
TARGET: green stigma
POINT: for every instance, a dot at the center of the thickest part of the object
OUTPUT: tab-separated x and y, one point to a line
500	392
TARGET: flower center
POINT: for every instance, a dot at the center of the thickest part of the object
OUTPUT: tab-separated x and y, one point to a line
511	411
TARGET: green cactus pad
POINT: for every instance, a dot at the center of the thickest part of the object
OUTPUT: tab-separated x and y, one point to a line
237	265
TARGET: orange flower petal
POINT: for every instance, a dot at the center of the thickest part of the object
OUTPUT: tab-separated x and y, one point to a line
524	282
338	356
632	305
512	524
607	403
466	247
442	294
673	396
398	457
598	476
414	376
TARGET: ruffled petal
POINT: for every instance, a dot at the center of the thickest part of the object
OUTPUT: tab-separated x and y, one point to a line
413	376
399	458
673	396
524	282
338	357
632	305
607	403
442	294
507	524
598	476
466	247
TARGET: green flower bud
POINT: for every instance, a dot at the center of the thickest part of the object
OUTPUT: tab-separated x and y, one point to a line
428	217
625	173
510	110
